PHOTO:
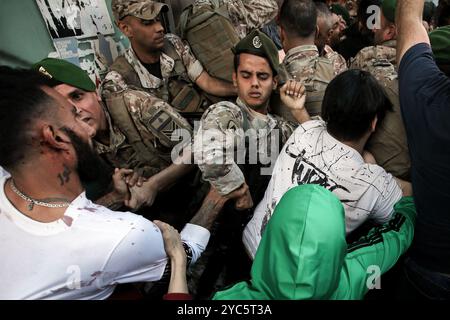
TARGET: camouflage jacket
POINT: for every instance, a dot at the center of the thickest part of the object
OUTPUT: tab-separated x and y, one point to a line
220	142
388	143
154	120
339	63
115	82
380	60
246	15
304	64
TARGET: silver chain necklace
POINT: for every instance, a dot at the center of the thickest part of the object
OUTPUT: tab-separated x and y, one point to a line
33	202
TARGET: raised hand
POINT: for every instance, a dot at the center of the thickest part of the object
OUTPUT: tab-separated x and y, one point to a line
293	95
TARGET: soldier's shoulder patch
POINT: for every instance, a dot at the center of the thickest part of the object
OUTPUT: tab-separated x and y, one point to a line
225	115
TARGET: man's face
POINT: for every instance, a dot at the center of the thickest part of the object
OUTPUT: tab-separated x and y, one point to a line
67	116
385	32
254	81
145	34
88	105
336	31
90	167
88	163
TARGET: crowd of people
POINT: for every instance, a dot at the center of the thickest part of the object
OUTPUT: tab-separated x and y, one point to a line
268	150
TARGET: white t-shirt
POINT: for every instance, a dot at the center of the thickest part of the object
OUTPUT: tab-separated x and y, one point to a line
3	172
84	254
313	156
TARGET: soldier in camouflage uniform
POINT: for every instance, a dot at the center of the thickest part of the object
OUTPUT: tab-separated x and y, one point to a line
388	144
224	127
328	37
298	21
144	145
245	15
160	64
230	136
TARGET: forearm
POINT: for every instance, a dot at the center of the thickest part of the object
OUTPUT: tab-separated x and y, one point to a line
211	207
381	248
409	26
301	116
215	86
112	200
169	176
178	282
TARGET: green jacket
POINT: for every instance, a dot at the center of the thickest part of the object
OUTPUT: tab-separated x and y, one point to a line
303	253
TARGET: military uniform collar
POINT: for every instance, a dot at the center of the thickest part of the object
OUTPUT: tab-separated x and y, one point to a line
148	80
256	119
301	49
327	49
390	44
116	137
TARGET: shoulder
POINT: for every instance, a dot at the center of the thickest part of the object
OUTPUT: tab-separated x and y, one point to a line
375	176
420	76
146	105
419	57
101	220
176	42
138	100
113	83
173	38
317	124
375	52
222	116
223	112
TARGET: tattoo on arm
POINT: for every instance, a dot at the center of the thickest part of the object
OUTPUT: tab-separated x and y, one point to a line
207	214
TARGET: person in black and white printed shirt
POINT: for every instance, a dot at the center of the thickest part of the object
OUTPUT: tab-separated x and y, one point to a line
330	153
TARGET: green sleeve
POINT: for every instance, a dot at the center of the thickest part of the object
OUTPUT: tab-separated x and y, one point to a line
377	252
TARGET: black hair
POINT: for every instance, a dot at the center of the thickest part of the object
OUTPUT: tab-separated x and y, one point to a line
351	102
298	17
323	9
22	100
442	14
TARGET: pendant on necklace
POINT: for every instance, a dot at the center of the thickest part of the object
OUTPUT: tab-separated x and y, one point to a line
31	206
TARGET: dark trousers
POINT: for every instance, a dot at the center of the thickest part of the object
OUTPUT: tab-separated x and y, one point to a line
419	283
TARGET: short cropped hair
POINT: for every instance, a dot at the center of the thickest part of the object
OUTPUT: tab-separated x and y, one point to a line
22	100
298	17
351	102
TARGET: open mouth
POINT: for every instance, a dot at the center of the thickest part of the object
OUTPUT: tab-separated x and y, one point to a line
255	95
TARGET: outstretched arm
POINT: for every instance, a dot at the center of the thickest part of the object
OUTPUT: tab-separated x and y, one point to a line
373	255
409	26
146	193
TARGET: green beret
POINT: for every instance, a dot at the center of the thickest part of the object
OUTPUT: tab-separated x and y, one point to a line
341	11
257	43
65	72
388	8
440	44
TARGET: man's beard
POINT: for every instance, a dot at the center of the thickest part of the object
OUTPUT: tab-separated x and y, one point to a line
90	166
